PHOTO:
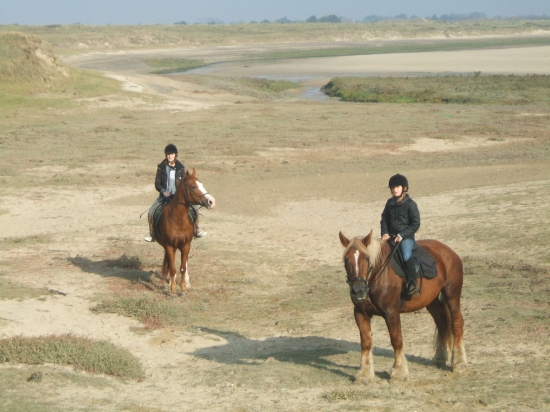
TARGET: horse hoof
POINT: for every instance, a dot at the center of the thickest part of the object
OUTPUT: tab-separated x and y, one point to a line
461	367
362	380
399	375
182	294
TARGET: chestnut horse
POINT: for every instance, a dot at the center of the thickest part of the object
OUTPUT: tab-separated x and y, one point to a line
375	289
176	229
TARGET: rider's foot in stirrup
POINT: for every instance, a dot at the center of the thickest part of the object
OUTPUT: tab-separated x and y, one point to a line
412	288
148	238
199	233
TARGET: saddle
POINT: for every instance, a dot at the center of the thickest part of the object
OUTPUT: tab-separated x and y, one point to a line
157	213
424	263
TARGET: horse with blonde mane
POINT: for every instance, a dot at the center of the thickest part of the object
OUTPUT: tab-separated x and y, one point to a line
175	227
376	290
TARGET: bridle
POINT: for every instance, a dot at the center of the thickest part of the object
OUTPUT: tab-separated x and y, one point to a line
370	278
187	196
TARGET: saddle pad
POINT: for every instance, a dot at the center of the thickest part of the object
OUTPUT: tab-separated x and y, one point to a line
157	212
424	262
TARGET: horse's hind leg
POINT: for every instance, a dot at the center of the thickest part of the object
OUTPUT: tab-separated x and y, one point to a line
444	334
184	269
458	360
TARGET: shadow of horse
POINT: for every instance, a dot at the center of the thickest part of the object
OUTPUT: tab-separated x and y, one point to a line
126	267
312	351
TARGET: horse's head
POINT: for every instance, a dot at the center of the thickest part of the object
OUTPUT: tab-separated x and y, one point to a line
359	262
194	192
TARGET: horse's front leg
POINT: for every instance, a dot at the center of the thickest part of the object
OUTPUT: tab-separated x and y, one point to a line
170	261
400	370
366	369
184	269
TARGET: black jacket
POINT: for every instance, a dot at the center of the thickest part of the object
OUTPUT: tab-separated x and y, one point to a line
401	219
161	179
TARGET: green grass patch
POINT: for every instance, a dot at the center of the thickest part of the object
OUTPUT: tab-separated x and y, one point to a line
81	353
267	85
475	89
173	65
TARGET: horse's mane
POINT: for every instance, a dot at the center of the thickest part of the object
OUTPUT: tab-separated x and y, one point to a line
373	251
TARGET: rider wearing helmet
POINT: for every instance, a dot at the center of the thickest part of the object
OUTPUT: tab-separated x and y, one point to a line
400	221
169	171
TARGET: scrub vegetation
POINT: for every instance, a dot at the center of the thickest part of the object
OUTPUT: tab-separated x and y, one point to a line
81	38
82	353
474	89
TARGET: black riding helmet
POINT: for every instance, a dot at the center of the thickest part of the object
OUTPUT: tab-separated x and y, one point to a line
398	180
169	149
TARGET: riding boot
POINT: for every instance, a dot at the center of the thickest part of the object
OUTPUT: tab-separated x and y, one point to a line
151	236
411	286
197	232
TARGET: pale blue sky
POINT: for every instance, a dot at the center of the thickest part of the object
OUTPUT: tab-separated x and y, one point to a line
40	12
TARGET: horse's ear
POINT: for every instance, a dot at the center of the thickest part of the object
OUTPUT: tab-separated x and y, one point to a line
187	173
367	239
194	173
344	240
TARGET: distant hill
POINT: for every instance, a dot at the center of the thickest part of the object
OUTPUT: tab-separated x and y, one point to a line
26	60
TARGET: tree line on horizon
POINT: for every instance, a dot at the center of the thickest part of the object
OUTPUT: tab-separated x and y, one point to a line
373	18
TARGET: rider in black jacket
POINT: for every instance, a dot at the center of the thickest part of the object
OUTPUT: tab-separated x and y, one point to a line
400	221
169	171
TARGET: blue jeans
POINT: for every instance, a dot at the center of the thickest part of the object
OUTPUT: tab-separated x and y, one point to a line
406	247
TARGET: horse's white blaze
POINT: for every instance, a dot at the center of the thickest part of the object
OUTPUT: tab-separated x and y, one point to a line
200	186
209	198
356	256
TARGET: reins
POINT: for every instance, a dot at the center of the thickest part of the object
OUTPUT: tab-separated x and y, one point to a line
384	266
186	198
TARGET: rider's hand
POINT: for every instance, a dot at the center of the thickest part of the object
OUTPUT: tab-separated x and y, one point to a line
398	239
385	237
166	194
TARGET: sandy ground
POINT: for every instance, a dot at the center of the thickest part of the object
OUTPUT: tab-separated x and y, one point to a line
171	357
532	60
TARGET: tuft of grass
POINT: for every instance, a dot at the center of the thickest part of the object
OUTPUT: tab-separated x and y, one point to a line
494	89
153	310
173	65
80	352
23	241
13	291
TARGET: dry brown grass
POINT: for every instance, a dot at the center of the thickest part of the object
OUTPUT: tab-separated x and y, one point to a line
78	38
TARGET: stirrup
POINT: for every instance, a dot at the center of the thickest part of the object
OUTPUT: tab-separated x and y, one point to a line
148	238
412	289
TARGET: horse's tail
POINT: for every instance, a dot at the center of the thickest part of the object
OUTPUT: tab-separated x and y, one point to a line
444	339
